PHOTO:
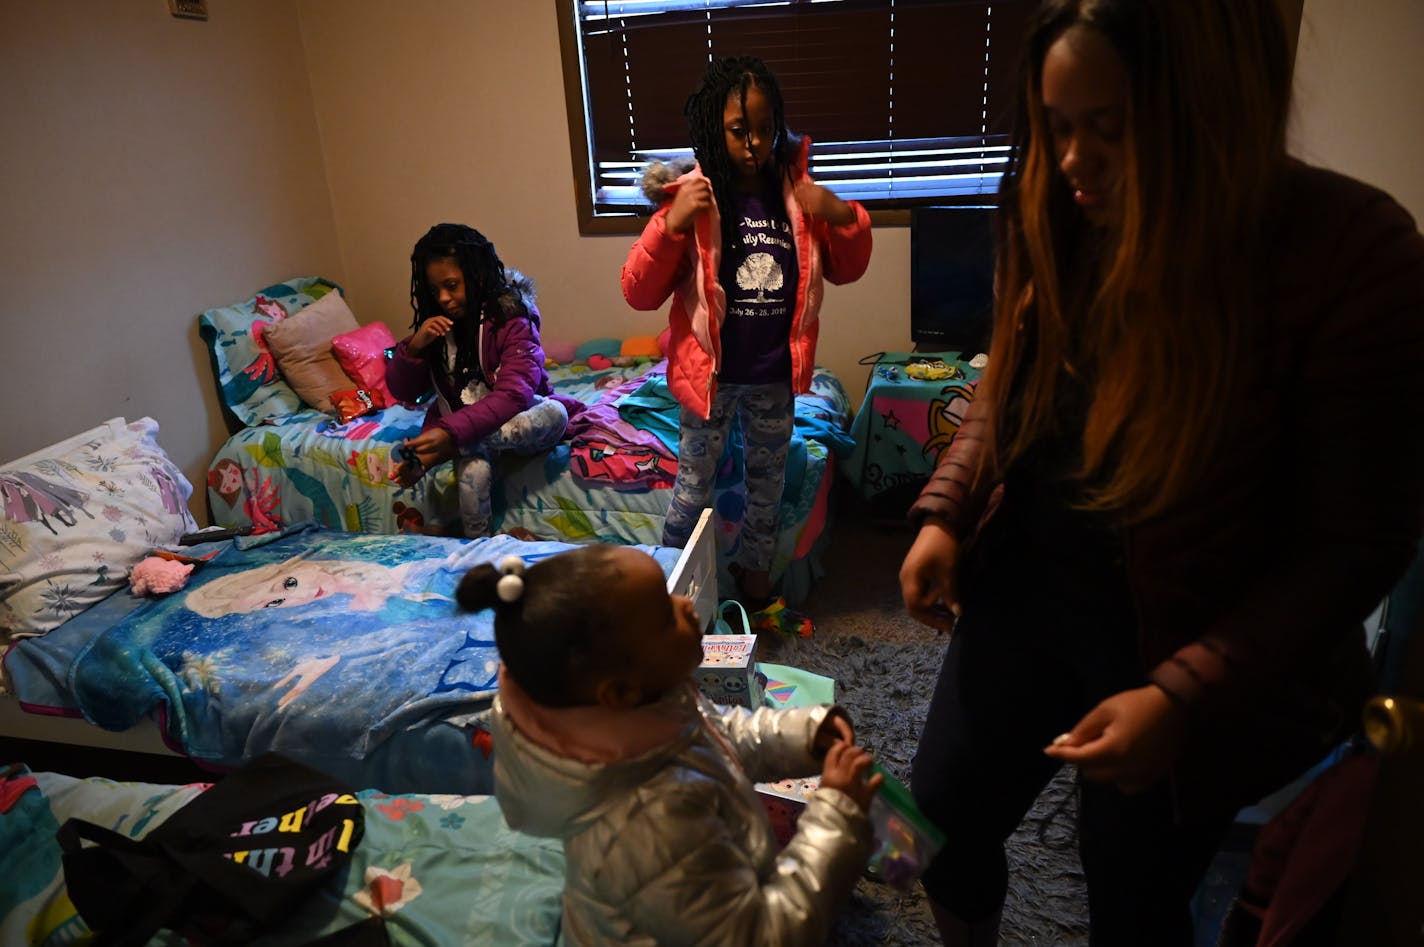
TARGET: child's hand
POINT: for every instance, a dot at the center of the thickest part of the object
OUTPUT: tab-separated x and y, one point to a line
430	330
406	474
431	448
845	768
693	197
834	729
819	202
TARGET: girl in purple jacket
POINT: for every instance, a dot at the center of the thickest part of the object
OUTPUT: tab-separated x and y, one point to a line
476	340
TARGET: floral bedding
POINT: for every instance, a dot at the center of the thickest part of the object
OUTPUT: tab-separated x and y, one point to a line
437	869
608	481
307	465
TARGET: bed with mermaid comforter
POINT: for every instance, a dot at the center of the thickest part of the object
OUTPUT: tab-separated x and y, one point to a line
609	480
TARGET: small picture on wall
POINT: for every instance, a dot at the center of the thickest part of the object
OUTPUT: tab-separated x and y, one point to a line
191	9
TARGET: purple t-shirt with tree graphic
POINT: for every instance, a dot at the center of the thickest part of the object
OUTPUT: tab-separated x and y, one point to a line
759	275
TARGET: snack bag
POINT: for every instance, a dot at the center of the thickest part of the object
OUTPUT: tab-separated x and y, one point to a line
905	841
350	403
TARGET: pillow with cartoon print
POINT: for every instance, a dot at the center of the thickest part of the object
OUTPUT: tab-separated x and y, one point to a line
76	516
250	387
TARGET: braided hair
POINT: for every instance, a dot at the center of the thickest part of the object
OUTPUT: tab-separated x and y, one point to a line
487	291
704	110
558	631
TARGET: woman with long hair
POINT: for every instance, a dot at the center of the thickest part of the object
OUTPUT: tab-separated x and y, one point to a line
1157	534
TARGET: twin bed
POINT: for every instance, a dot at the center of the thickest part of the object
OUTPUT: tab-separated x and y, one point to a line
609	480
331	636
344	651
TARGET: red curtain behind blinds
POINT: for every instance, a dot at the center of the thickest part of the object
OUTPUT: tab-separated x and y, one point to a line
844	74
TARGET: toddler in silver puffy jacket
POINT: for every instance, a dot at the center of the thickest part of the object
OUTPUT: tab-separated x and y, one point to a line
602	740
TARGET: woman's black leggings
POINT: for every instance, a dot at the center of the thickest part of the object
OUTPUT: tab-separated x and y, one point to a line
1003	694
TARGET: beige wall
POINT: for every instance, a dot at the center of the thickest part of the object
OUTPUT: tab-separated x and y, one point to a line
1359	76
151	168
436	111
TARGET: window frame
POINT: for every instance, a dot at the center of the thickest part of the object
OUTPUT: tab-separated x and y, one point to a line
582	157
590	222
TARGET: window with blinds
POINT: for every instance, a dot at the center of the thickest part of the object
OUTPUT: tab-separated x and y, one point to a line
908	102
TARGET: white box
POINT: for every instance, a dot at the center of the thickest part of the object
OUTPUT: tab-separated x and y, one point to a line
728	673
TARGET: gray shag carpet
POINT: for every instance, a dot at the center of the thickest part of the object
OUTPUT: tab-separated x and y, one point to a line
885	665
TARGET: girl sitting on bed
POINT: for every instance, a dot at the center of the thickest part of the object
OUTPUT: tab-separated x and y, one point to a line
602	740
476	340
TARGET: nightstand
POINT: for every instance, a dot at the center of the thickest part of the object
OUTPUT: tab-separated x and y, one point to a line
905	422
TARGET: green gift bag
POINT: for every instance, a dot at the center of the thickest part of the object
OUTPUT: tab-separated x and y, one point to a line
782	685
792	687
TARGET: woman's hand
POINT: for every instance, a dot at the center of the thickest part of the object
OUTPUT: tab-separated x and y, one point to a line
1130	739
845	768
431	447
822	203
693	197
431	329
927	576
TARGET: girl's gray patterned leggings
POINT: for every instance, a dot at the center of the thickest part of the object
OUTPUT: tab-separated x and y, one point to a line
767	414
531	431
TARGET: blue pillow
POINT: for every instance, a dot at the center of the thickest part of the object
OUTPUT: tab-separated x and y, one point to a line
608	347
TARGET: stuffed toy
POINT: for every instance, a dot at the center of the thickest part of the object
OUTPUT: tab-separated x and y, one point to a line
158	576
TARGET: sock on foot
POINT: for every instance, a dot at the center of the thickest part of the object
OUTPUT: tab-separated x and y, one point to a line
778	619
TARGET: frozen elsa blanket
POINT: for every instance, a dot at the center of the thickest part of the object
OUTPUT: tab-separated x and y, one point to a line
311	644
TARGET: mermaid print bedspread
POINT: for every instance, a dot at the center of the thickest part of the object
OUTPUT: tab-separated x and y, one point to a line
313	468
609	486
307	644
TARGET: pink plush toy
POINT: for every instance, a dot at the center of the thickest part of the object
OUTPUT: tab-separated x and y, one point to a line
158	576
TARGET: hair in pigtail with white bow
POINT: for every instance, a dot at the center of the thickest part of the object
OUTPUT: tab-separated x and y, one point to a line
551	619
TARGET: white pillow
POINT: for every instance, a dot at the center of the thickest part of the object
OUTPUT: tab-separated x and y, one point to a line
76	516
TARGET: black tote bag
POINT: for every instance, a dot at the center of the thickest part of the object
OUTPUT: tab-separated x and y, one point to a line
227	867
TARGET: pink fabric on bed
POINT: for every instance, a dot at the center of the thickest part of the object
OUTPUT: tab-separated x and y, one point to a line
362	355
607	449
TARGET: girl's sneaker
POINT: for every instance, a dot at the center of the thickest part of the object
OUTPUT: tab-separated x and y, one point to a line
777	619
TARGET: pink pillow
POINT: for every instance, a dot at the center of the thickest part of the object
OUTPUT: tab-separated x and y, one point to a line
362	355
559	352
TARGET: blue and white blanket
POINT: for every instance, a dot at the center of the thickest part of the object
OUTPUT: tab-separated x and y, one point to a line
317	645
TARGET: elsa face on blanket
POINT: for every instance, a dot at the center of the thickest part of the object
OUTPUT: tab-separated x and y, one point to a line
298	582
603	740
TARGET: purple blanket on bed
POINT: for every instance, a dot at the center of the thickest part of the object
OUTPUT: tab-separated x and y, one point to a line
606	448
